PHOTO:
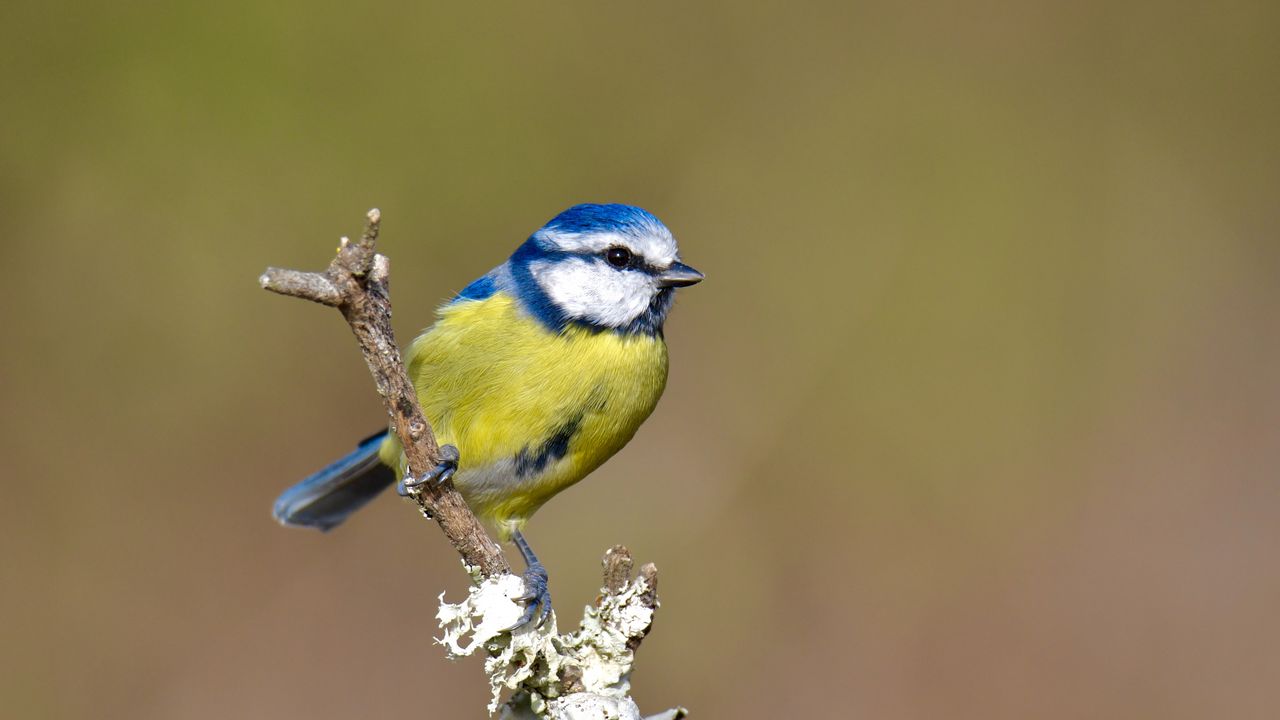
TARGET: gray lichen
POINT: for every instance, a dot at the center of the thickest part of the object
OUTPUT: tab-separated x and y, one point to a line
557	675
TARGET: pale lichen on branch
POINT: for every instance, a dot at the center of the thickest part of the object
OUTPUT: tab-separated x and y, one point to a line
542	667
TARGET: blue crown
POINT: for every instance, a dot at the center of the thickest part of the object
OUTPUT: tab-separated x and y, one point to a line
611	217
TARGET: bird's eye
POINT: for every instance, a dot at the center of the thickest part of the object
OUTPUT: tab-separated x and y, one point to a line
618	257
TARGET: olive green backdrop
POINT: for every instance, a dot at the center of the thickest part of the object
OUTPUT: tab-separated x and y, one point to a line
977	414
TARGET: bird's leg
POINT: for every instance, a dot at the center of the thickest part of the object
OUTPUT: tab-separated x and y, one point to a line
448	466
536	597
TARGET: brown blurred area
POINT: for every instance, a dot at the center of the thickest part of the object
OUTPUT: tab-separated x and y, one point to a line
976	415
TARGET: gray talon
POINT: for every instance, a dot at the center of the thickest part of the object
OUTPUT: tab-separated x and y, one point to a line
537	598
441	473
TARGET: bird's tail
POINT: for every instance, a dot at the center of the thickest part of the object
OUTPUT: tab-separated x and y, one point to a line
326	498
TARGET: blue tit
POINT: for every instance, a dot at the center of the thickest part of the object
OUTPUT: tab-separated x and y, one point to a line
533	375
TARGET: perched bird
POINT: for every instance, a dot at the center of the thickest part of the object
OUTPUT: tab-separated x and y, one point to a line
531	377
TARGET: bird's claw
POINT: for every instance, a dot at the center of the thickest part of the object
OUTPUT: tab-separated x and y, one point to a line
536	598
441	473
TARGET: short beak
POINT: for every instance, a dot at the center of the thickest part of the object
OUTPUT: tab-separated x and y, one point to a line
679	275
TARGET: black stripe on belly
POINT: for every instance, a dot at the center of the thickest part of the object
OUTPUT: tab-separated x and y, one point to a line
555	447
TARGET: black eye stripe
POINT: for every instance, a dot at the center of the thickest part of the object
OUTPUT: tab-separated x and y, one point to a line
632	262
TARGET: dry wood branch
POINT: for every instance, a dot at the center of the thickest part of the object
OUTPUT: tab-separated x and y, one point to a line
356	282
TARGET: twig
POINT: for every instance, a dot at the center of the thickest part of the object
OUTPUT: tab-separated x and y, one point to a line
356	282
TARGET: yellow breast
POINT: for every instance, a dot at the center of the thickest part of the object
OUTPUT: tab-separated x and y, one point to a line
531	411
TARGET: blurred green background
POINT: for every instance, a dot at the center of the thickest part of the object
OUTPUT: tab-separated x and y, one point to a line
976	415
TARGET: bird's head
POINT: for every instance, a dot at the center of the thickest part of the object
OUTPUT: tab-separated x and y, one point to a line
605	266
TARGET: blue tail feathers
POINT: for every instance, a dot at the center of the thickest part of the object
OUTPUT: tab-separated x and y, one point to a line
326	498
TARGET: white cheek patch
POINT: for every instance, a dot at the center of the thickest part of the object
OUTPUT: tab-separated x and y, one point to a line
592	291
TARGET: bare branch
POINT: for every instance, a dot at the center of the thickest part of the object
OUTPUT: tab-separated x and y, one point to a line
311	286
356	282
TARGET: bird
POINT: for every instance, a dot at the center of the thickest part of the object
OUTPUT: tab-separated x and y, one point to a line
532	376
